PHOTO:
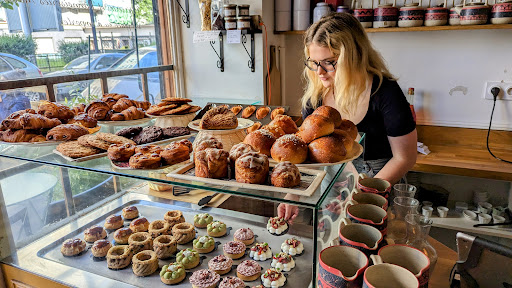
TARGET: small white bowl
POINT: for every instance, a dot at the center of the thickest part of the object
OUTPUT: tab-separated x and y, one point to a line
442	211
484	218
469	214
498	219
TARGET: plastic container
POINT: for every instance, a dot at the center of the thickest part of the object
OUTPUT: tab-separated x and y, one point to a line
229	10
322	9
243	23
230	23
243	10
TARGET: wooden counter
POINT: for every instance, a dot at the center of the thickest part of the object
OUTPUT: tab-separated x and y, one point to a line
445	261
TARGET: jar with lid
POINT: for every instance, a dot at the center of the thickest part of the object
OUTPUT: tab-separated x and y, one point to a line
244	23
243	10
229	10
230	23
322	9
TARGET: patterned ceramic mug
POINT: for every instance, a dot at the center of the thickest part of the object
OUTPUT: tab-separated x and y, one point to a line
411	15
340	267
389	275
364	15
385	15
474	13
370	215
374	185
437	15
501	13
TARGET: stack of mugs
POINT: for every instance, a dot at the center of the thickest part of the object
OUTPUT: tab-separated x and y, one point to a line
283	14
301	14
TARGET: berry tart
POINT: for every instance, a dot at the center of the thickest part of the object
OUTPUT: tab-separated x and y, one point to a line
173	273
130	212
292	247
202	220
248	270
204	278
283	262
244	235
216	229
231	282
261	252
273	278
113	222
234	249
220	264
72	247
277	226
188	257
204	244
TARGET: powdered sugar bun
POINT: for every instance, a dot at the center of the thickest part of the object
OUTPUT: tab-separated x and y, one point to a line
289	148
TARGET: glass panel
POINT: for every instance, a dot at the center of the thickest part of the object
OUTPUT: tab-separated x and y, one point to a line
16	64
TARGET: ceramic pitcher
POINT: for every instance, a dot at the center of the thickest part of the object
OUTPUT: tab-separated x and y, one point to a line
341	266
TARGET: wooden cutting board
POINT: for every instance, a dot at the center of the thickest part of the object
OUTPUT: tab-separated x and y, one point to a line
275	79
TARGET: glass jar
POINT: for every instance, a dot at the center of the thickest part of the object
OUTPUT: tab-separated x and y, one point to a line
243	10
217	15
418	228
230	10
230	23
244	23
322	9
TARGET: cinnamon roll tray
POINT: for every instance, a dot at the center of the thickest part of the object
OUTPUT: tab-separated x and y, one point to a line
44	256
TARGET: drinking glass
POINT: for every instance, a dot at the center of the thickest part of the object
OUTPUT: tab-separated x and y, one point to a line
403	190
397	226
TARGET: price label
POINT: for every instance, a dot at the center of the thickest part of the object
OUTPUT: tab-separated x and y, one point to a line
233	36
205	36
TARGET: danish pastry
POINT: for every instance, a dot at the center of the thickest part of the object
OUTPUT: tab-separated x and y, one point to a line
66	132
121	152
175	153
145	161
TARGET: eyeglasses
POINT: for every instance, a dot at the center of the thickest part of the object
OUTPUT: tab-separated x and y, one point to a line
327	65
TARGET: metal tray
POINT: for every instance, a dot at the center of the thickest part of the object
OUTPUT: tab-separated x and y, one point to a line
83	271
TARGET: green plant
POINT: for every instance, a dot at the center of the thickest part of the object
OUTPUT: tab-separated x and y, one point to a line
72	50
8	4
18	45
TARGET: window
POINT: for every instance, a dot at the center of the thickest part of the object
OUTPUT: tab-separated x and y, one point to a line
4	67
15	63
106	61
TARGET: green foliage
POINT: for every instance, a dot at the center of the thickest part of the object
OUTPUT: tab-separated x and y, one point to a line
72	50
18	45
144	11
77	97
8	4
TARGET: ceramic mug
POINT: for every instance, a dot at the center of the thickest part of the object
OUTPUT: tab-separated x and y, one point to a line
501	13
407	257
363	237
454	17
364	15
366	198
437	16
341	266
411	15
370	215
385	15
389	275
374	185
474	13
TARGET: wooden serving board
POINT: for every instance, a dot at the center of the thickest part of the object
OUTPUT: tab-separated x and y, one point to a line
310	181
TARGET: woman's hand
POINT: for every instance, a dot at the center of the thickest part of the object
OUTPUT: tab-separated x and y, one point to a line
287	211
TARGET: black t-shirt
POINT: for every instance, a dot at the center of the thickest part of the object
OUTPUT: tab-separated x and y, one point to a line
388	114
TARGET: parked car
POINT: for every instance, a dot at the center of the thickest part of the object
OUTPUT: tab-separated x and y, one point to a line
98	62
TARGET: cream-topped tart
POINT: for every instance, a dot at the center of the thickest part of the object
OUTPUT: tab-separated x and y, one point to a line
283	262
292	246
172	273
216	229
277	225
261	252
202	220
273	278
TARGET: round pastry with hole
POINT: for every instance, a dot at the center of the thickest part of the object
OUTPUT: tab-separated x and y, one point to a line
261	252
183	232
119	257
292	247
100	248
188	257
164	246
144	263
140	225
248	270
202	220
121	235
204	244
159	227
283	262
94	233
216	229
220	264
174	217
244	235
113	222
140	241
204	278
234	249
273	278
130	212
72	247
277	226
231	282
173	273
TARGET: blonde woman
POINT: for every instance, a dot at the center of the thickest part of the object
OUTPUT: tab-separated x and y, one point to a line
344	71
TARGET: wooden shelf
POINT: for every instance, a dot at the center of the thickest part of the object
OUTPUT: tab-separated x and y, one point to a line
421	28
457	222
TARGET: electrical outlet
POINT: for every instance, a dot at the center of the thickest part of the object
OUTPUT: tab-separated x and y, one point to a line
505	90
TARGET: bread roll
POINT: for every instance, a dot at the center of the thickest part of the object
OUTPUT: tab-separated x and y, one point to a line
330	113
314	127
349	127
275	130
261	141
330	149
211	163
211	142
285	122
344	138
252	168
289	148
237	151
285	174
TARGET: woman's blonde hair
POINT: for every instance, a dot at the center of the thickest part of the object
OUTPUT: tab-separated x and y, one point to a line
357	59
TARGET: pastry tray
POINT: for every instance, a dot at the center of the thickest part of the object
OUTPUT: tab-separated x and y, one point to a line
45	256
263	121
309	183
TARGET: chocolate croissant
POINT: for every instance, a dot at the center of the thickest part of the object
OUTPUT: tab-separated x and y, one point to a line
30	121
55	110
13	136
97	110
142	104
116	96
84	120
66	132
17	114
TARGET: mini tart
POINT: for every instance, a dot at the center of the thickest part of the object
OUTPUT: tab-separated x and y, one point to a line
204	279
234	249
72	247
261	252
121	235
144	263
202	220
231	282
173	273
94	233
277	226
130	212
140	225
100	248
164	246
140	241
188	257
174	217
119	257
216	229
220	264
113	222
283	262
248	270
159	227
292	247
204	244
183	232
244	235
273	278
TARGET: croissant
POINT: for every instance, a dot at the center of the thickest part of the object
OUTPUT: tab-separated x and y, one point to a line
66	132
55	110
31	121
17	114
97	110
115	96
142	104
13	136
131	113
85	120
110	101
79	109
123	104
117	117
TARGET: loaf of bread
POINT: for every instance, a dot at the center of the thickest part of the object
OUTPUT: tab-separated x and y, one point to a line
219	118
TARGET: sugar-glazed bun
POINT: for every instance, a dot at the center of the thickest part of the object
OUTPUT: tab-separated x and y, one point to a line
289	148
260	140
252	168
330	149
285	174
238	150
314	127
211	163
349	127
330	113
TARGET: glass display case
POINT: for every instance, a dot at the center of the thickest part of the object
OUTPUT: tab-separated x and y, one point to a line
47	199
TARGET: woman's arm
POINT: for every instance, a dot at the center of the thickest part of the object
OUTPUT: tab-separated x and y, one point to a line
404	149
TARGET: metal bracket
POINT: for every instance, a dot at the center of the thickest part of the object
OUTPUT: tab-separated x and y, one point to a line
251	55
220	62
185	18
